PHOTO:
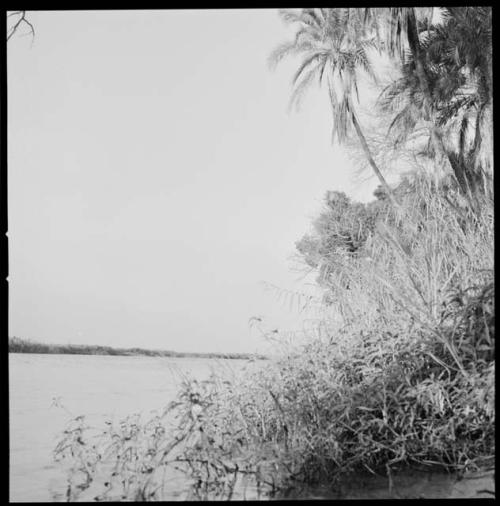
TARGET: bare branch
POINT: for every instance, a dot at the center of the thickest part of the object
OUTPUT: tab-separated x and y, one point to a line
22	19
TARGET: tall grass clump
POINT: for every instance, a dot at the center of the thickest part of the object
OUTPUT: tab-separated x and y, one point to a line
409	378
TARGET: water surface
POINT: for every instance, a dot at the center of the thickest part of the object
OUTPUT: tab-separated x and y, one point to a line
113	386
96	386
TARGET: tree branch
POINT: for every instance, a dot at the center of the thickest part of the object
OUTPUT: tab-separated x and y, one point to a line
22	19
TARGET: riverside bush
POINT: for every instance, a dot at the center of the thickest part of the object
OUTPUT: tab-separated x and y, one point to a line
406	380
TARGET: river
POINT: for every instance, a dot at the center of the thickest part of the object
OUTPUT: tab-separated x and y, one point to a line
114	386
93	385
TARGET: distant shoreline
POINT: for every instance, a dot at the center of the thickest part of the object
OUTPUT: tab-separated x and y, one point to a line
18	345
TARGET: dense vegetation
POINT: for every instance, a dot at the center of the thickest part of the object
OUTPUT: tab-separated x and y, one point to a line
399	370
18	345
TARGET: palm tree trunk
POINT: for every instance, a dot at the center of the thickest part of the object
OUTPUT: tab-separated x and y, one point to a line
423	79
371	161
414	43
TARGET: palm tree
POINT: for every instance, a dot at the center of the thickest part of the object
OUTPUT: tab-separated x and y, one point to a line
401	35
333	46
446	79
463	46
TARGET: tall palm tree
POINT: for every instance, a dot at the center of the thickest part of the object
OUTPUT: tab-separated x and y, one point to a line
401	36
440	65
463	46
333	46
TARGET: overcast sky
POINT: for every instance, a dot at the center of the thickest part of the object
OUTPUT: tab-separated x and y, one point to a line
156	178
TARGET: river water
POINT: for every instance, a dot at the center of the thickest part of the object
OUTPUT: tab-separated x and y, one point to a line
92	385
113	386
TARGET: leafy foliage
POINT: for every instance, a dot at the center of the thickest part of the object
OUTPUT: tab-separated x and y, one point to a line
457	64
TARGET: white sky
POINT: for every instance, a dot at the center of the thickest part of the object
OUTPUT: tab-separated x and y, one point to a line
156	178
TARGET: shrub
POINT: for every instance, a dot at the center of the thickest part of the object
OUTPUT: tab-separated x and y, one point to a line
406	379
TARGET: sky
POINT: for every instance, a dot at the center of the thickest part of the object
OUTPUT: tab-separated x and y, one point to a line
157	180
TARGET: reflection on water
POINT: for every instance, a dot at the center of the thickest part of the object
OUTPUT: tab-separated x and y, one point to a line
406	485
114	387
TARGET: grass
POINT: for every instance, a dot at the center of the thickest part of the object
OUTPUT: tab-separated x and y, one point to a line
407	380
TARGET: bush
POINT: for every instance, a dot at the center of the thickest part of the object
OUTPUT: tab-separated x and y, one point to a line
406	379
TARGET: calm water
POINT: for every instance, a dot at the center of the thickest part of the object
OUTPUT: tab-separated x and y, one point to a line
91	385
99	386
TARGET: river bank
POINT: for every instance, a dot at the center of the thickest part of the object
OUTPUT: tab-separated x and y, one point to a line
18	345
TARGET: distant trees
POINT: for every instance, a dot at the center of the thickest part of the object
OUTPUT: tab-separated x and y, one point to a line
18	345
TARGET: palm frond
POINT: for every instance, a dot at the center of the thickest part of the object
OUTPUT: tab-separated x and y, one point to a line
302	86
361	59
311	17
453	109
289	16
317	55
288	49
404	122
